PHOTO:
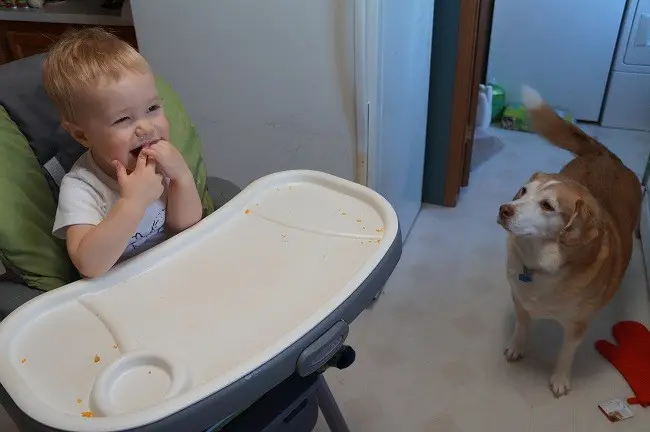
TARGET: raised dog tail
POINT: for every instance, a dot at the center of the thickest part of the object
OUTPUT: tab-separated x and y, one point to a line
558	131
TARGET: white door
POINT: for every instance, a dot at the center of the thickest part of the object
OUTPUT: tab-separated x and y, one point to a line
562	48
398	63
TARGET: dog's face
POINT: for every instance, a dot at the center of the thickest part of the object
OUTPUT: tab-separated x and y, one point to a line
547	207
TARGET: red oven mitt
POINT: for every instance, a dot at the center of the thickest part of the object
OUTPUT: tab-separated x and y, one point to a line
631	357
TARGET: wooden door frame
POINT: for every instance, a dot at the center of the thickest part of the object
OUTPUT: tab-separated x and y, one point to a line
471	56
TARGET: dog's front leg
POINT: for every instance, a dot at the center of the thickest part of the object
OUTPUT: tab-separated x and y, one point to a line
574	333
517	345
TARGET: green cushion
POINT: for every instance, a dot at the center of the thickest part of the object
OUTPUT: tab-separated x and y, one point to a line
27	208
186	140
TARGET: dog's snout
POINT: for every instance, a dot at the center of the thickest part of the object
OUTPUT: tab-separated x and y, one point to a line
506	211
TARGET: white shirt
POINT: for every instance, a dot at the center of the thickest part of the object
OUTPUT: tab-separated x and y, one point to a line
86	196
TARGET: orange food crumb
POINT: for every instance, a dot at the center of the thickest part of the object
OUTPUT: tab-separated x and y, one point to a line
23	361
247	211
97	359
87	414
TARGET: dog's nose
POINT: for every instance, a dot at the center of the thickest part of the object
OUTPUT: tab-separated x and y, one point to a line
506	211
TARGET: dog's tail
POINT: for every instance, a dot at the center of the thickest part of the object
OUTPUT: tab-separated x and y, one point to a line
558	131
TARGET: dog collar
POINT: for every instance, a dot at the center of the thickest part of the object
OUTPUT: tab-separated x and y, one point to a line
526	275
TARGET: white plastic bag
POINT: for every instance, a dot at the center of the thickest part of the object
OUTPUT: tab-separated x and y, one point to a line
484	107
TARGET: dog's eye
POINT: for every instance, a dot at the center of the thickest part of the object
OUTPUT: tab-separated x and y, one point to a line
546	206
522	191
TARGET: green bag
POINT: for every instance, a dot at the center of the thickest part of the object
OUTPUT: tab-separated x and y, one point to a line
515	117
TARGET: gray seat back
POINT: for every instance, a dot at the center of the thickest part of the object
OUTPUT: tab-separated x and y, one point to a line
23	96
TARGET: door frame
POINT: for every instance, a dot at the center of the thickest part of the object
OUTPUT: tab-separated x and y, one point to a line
367	62
363	35
472	48
458	62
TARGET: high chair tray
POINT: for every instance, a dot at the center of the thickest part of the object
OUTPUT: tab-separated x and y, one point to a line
199	327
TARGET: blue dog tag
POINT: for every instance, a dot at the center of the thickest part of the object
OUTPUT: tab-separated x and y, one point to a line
525	276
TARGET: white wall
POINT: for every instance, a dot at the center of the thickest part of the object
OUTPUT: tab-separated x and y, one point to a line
269	84
564	48
398	122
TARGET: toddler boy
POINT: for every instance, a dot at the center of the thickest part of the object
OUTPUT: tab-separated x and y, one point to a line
132	188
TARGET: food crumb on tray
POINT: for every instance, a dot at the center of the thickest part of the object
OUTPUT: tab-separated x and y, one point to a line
79	401
24	360
115	346
379	230
97	359
247	211
87	414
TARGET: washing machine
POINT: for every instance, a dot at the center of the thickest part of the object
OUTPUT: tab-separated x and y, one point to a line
627	104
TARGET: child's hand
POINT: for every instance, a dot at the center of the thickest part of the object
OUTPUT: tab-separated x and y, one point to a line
143	185
169	160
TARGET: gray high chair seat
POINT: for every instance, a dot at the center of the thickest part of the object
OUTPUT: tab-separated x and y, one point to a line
23	97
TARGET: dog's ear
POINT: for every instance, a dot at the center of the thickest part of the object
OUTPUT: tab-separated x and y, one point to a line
520	192
582	228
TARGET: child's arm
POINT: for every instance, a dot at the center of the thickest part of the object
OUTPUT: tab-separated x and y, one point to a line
184	207
95	243
94	249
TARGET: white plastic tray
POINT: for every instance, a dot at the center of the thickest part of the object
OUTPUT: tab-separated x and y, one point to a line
202	310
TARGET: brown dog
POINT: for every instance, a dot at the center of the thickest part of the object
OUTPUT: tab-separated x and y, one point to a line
569	237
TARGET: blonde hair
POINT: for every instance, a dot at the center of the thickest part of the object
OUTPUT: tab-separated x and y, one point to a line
77	61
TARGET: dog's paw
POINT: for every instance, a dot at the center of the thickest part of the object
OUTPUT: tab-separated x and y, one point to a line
560	385
513	352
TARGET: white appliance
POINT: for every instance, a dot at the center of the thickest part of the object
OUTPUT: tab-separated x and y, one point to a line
562	48
330	85
627	105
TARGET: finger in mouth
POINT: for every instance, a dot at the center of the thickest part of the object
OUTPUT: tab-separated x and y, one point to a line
136	151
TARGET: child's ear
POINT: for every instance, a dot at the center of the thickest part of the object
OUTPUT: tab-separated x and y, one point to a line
76	132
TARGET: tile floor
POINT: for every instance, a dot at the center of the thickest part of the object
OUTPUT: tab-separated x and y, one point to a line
429	354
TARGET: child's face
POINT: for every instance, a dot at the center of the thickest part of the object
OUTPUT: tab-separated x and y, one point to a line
120	117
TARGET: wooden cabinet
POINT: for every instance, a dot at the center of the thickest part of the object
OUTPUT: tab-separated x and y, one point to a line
22	39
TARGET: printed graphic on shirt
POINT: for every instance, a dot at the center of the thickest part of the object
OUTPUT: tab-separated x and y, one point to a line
149	229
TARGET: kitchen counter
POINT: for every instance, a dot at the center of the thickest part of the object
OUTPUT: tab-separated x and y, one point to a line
84	12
